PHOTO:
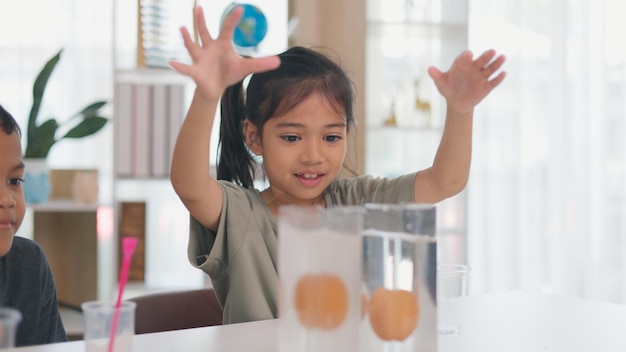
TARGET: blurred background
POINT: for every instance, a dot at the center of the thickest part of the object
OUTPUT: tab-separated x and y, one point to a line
545	208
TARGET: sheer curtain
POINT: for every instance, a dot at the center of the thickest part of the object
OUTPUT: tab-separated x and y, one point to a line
547	192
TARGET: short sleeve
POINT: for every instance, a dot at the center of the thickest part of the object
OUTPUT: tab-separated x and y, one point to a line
368	189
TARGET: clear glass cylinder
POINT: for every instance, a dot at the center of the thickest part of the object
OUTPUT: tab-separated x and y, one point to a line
399	278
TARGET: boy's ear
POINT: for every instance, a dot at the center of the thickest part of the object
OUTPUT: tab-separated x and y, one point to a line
253	139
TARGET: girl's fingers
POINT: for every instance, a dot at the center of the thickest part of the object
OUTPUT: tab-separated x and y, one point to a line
180	67
230	23
484	59
202	29
493	67
497	80
261	64
192	48
189	44
435	73
463	57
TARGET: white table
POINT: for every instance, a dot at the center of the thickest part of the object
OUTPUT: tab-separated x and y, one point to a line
517	321
257	336
524	321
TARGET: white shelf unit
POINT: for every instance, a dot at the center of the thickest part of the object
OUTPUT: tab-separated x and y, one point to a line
74	237
403	39
167	220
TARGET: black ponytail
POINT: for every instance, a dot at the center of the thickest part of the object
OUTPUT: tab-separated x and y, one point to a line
235	163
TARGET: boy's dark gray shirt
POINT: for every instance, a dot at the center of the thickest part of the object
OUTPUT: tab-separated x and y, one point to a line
26	283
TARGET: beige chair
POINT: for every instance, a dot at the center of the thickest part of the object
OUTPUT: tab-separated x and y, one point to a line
176	310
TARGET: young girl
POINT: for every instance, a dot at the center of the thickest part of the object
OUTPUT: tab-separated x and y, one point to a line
295	114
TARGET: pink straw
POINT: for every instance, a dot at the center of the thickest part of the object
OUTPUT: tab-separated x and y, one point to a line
128	249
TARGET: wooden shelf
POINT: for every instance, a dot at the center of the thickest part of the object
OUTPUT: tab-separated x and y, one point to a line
419	24
151	76
63	206
69	237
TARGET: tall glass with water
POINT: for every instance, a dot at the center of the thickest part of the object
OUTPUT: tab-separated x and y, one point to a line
399	278
319	265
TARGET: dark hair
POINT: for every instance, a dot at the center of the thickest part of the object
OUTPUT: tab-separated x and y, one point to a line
8	123
301	73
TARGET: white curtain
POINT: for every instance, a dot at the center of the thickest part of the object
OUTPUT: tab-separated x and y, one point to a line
547	192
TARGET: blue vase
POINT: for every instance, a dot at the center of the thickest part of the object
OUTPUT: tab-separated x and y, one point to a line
37	186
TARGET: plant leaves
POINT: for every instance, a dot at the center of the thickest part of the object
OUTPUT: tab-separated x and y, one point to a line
39	89
92	109
40	139
86	127
44	137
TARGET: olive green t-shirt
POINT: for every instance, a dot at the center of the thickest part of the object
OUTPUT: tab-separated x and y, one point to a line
241	257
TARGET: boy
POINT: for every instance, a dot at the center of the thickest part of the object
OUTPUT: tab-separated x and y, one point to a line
26	282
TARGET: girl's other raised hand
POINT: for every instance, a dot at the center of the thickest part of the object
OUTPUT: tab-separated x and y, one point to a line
215	64
468	81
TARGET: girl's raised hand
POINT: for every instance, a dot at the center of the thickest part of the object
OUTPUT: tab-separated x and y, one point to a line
216	65
468	81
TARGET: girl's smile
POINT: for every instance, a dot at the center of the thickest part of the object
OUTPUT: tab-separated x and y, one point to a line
310	179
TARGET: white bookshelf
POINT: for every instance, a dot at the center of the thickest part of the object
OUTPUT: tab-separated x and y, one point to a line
403	39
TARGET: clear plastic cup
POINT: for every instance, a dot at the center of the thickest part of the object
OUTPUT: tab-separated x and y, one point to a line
452	285
10	319
98	318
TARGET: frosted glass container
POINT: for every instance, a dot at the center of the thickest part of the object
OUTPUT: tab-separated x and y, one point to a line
320	271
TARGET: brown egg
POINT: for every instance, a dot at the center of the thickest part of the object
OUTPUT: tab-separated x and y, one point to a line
321	301
393	313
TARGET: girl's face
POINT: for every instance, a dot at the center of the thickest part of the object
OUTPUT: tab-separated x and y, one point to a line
303	151
12	203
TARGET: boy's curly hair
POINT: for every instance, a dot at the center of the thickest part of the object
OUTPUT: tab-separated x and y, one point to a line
8	123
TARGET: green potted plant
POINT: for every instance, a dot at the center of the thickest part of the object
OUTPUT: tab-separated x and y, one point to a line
42	136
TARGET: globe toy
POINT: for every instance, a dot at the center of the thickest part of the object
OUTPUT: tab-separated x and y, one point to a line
252	27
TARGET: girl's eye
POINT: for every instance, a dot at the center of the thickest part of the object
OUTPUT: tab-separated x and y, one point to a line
332	138
290	138
16	181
